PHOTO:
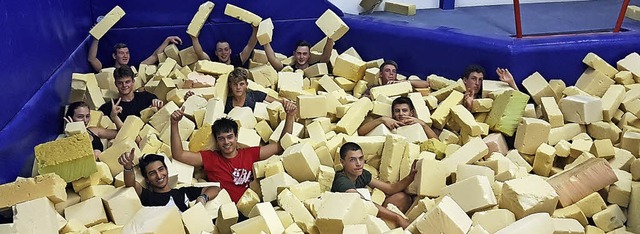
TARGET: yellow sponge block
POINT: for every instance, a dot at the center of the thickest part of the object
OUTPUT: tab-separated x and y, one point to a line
242	14
71	158
200	18
107	22
26	189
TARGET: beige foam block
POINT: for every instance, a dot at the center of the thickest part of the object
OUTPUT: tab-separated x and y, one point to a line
478	185
531	133
507	109
517	159
95	191
75	128
325	178
481	105
267	211
89	212
78	89
400	8
430	179
275	136
602	149
349	67
213	68
162	117
196	219
551	112
443	93
215	110
413	133
72	198
470	152
318	69
594	61
110	156
171	51
265	31
227	216
122	205
558	87
438	82
192	104
300	214
620	191
493	220
312	106
465	120
390	90
242	15
345	84
130	129
186	127
71	157
445	217
530	111
633	12
270	185
494	86
243	116
534	223
331	25
290	81
571	212
109	20
248	200
392	152
630	141
594	82
566	132
624	78
538	87
199	18
465	171
306	190
543	161
610	218
301	162
611	100
338	210
328	84
628	64
441	114
35	216
528	195
93	96
580	181
161	219
350	122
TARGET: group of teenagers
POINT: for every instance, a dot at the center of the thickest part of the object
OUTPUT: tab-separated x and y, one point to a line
231	165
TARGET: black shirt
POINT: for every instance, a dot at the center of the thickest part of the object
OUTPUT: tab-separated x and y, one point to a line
342	183
250	100
236	61
141	100
180	197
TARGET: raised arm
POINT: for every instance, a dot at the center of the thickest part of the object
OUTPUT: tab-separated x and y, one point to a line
115	110
275	148
126	160
385	213
92	56
419	83
246	52
271	56
191	158
153	58
326	51
198	48
395	187
207	194
505	76
368	126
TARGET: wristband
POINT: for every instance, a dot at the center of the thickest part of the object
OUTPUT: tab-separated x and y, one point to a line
204	197
127	170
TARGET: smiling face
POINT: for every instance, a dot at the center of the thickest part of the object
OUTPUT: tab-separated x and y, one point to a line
124	85
157	175
121	56
353	162
81	114
388	73
223	52
473	81
227	143
400	111
301	55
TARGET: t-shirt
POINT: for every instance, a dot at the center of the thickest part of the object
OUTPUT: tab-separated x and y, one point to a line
176	197
141	100
236	61
250	100
234	174
96	143
342	183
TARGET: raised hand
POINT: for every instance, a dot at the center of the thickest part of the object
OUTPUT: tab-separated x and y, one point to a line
174	39
505	76
157	103
391	123
126	159
468	98
176	116
408	120
289	107
188	94
68	120
115	108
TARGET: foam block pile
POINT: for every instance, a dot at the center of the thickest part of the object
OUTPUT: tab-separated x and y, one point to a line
573	168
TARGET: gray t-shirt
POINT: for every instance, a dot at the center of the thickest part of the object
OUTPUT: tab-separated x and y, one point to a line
341	182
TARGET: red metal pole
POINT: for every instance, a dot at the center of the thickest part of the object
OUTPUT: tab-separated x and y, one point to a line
516	12
623	11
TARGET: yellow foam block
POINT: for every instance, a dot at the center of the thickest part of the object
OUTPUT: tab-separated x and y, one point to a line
161	220
35	216
445	217
528	195
89	212
534	223
543	161
349	67
610	218
530	134
581	109
301	162
478	185
594	61
24	189
628	64
350	122
441	115
430	179
71	158
242	14
493	220
122	205
213	68
470	152
338	210
200	18
265	31
594	82
552	112
538	87
107	22
400	8
300	214
331	25
312	106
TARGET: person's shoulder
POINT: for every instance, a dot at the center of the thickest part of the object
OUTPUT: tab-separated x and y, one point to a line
145	94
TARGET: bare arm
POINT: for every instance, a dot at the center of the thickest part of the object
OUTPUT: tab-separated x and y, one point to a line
368	126
505	76
104	133
191	158
93	56
275	148
399	186
427	129
246	52
153	58
271	57
419	83
126	160
326	52
198	48
115	110
385	213
211	193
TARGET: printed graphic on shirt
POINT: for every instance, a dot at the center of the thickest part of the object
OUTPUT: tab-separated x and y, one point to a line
241	176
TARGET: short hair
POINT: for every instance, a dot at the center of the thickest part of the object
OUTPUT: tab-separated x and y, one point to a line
122	71
238	74
224	124
389	62
473	68
402	100
148	159
222	41
302	43
71	110
349	146
118	46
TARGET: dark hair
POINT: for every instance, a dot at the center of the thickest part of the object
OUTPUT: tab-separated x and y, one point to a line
148	159
122	71
349	146
474	68
238	74
223	125
302	43
389	62
402	100
71	110
118	46
222	41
